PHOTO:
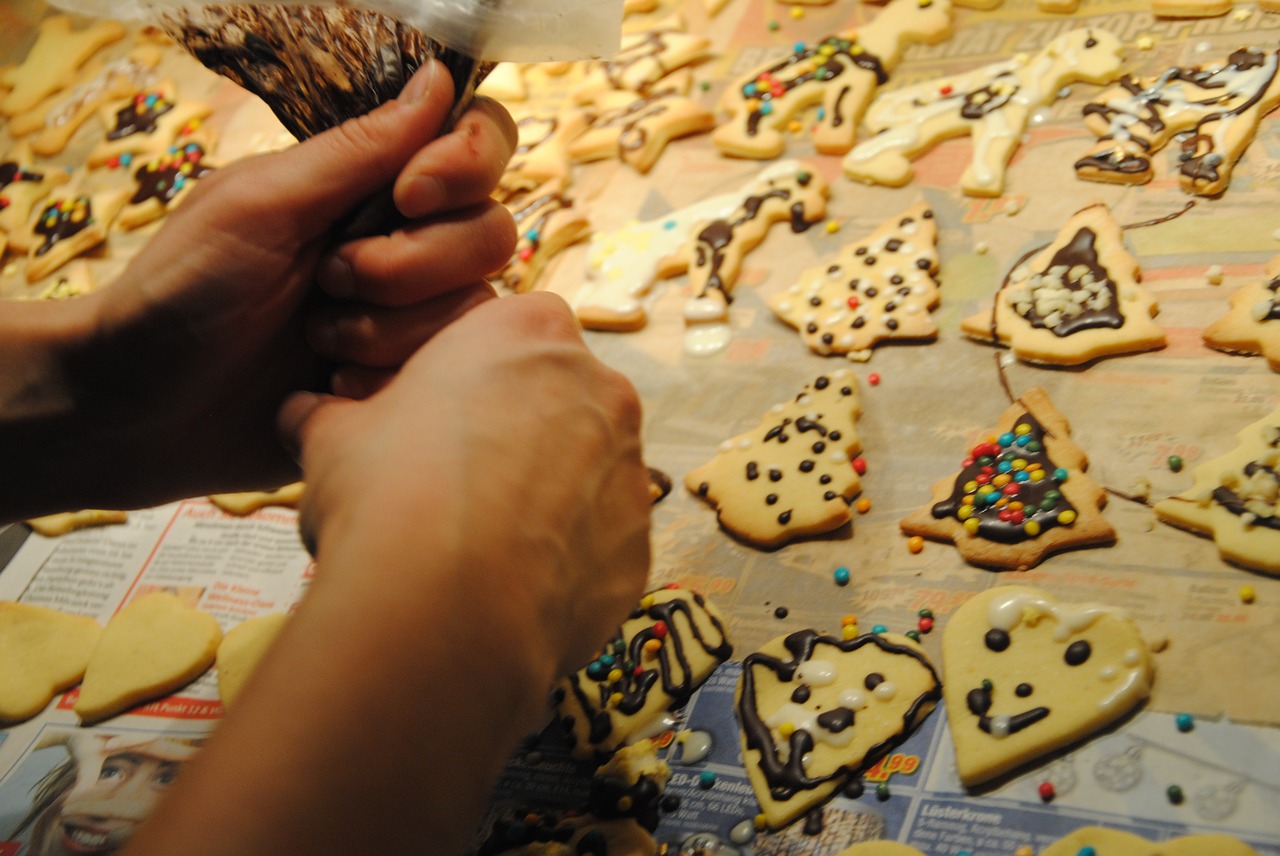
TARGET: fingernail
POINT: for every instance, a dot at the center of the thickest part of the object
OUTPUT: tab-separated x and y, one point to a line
420	84
335	277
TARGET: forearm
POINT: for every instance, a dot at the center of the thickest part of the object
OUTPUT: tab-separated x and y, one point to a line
45	432
377	724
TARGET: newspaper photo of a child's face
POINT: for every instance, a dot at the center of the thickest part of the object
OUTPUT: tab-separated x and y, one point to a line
83	794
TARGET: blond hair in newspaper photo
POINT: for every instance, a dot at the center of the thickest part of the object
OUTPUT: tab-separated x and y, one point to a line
84	793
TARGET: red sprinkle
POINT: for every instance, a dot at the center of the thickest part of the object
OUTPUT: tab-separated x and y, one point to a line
860	466
925	624
1046	790
526	253
660	629
873	379
853	303
945	90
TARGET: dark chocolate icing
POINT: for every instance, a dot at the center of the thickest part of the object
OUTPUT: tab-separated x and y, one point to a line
62	220
829	59
1081	251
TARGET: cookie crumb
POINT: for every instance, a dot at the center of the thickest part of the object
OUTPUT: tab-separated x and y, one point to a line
981	248
1145	43
1213	275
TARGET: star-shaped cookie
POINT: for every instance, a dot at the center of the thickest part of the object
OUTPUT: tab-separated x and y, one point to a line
1252	326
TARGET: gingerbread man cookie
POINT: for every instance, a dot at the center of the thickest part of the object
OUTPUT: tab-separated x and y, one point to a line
992	104
1024	674
637	128
817	710
1252	326
662	653
1074	301
145	124
547	221
1218	105
791	475
879	288
1021	494
58	53
1236	499
790	193
840	73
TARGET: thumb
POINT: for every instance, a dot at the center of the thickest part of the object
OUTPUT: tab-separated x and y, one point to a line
327	176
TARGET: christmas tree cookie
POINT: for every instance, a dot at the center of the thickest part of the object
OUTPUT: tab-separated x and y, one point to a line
1076	300
879	288
1021	494
791	475
1236	499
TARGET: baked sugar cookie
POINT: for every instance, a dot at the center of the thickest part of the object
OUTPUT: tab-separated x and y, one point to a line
661	654
150	648
241	649
876	289
637	128
991	104
1074	301
56	525
542	150
145	124
643	60
1252	326
547	221
817	710
1217	106
792	475
51	64
1114	842
840	73
42	652
880	848
247	502
70	226
22	185
1025	674
161	182
1020	495
1235	499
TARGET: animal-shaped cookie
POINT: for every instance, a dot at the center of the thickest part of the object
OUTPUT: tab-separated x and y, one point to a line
879	288
145	124
661	654
817	710
161	182
547	221
1252	326
840	72
624	263
791	193
42	652
59	51
1235	499
1075	301
1218	106
22	185
542	150
642	60
791	475
991	104
151	647
1024	675
637	128
1102	841
1021	493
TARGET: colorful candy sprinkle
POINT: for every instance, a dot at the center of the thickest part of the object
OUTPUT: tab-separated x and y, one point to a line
863	505
873	379
915	543
841	576
1175	794
1175	463
882	791
1185	722
1247	594
860	465
925	625
706	779
879	628
1046	791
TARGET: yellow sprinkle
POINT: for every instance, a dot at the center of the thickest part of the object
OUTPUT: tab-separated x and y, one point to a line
1067	517
615	676
1019	463
615	699
646	601
652	646
1247	594
1024	850
965	512
849	631
785	730
797	12
971	525
1031	527
795	127
863	505
832	227
1015	506
1002	480
1037	475
760	821
915	543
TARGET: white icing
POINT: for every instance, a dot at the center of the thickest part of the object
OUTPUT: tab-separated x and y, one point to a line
695	746
701	340
816	673
1010	609
1001	726
885	690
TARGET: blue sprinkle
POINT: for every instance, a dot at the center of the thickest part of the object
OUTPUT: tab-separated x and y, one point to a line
1022	476
1023	440
842	576
879	628
1004	466
1086	851
706	778
669	225
1185	722
822	113
1059	475
606	660
766	108
1006	439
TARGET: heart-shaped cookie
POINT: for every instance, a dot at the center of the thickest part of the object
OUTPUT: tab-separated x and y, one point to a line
241	649
153	646
1026	674
42	653
1113	842
816	710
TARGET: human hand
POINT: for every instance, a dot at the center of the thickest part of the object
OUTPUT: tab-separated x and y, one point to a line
218	318
500	470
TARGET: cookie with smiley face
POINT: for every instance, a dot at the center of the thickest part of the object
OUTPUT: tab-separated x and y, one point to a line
1026	675
817	710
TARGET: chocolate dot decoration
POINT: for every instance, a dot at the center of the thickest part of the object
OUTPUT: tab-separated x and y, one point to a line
996	640
1077	653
